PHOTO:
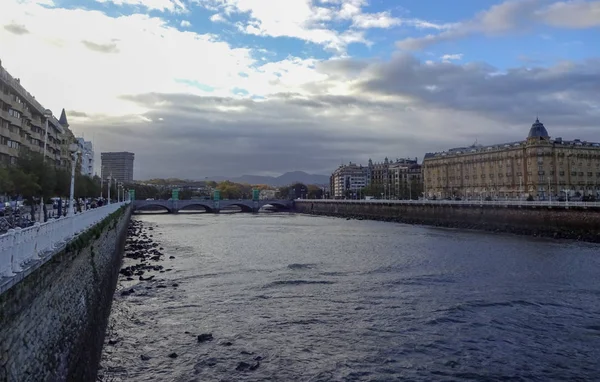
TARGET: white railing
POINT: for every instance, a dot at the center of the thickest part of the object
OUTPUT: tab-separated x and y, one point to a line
19	247
471	202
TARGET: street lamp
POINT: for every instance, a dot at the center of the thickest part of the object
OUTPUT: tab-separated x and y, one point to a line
109	178
74	149
47	115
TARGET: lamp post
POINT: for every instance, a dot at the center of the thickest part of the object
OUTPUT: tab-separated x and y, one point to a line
47	115
74	149
109	178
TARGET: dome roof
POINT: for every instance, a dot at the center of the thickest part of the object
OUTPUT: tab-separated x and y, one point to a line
538	130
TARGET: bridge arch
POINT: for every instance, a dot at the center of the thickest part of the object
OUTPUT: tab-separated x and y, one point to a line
279	206
242	206
186	208
151	207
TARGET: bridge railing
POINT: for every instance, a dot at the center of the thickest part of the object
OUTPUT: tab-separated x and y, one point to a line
498	203
19	247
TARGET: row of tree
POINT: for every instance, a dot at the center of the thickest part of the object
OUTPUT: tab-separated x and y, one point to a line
32	178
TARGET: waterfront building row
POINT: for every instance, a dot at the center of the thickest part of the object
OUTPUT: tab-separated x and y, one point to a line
537	167
399	179
23	128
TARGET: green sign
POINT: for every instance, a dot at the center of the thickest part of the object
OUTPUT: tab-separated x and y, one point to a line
217	195
255	194
131	194
175	194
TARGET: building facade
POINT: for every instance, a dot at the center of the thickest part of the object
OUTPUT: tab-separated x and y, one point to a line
347	181
86	150
118	165
23	125
399	179
538	166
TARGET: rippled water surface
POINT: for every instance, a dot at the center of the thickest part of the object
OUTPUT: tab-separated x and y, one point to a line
326	299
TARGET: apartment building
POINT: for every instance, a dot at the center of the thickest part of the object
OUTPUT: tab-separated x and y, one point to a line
23	125
538	166
395	179
118	165
347	180
87	156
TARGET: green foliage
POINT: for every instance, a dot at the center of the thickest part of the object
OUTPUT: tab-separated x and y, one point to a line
31	177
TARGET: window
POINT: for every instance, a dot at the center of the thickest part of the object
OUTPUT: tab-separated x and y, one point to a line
14	113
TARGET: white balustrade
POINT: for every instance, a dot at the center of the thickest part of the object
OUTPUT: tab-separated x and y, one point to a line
19	247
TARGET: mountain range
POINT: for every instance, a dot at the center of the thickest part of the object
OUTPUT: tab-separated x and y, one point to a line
276	181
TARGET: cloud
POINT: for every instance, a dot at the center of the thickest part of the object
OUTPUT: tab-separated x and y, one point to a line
158	5
452	57
217	17
317	22
185	24
16	29
514	16
402	107
101	48
191	105
564	94
572	14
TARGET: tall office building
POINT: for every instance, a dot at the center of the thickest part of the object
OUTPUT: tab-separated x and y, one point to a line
119	165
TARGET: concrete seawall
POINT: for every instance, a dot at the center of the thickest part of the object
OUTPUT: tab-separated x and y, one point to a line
52	323
573	223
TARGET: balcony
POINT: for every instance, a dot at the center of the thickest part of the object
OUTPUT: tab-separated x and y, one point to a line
6	98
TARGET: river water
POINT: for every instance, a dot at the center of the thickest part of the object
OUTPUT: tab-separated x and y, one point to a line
300	298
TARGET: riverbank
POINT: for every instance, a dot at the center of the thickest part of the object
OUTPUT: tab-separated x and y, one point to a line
559	223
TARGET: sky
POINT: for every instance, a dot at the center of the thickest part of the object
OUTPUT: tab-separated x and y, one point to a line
199	88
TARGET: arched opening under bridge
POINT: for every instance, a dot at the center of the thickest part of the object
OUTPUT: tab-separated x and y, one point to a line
152	209
196	208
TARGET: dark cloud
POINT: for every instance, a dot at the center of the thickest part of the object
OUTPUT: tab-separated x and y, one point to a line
75	113
400	108
566	94
101	48
16	29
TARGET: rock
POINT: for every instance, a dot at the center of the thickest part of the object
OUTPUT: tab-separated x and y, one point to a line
244	352
244	366
173	355
144	357
175	285
161	286
258	358
228	343
112	341
205	337
171	257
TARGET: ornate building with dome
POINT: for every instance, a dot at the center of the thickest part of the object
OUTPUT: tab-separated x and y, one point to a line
538	166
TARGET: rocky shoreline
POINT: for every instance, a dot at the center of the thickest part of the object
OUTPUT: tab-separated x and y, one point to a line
584	236
140	276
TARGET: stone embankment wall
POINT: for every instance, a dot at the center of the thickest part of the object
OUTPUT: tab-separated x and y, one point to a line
573	223
52	323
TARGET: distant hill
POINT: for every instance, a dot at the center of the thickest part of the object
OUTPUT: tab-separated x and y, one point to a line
282	180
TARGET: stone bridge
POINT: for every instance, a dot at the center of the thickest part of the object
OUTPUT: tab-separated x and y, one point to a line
214	206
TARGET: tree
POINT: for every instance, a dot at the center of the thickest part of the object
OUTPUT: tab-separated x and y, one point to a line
314	192
6	183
